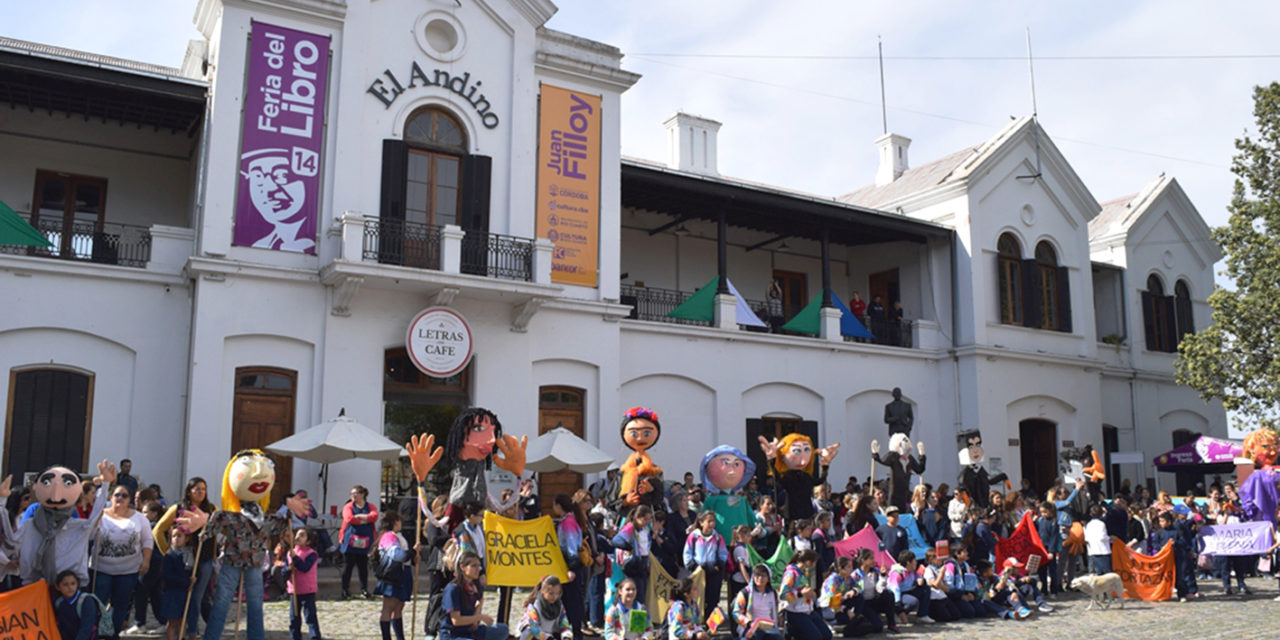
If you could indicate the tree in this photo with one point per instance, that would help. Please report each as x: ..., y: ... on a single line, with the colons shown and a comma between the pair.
x: 1235, y: 359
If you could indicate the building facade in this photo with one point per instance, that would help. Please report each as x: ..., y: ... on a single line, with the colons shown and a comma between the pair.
x: 234, y: 289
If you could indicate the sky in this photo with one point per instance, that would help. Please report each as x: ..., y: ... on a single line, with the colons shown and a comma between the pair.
x: 1127, y: 90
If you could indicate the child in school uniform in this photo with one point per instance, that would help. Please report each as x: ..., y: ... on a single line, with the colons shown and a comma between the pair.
x: 873, y: 600
x: 755, y: 608
x: 76, y: 616
x: 617, y: 619
x: 175, y: 577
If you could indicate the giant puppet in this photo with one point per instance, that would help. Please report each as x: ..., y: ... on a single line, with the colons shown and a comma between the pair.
x: 469, y: 449
x: 792, y: 461
x: 901, y: 465
x: 641, y: 479
x: 244, y: 528
x: 53, y: 540
x: 1258, y: 493
x: 725, y: 471
x: 973, y: 475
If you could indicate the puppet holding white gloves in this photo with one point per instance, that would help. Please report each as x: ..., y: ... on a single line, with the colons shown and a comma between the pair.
x: 901, y: 465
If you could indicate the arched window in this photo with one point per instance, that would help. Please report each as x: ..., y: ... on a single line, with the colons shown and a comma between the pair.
x: 1010, y: 278
x: 1158, y: 321
x: 1047, y: 269
x: 433, y: 173
x: 1182, y: 309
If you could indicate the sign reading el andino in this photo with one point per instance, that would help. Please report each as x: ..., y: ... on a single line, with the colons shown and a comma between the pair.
x: 439, y: 342
x: 569, y: 183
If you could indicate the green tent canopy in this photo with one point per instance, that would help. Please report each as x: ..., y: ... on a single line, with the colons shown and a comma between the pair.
x: 808, y: 320
x: 701, y: 306
x: 16, y: 231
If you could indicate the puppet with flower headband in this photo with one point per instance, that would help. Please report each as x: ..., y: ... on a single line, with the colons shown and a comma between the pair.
x: 641, y: 479
x: 791, y: 459
x: 474, y: 437
x: 1258, y: 493
x: 725, y: 471
x: 244, y: 527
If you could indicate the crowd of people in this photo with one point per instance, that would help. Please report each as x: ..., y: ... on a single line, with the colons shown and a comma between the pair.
x: 143, y: 568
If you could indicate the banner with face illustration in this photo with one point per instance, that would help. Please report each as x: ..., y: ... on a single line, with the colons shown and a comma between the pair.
x: 282, y: 135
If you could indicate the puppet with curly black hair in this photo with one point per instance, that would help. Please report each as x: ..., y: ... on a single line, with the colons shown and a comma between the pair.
x: 469, y: 449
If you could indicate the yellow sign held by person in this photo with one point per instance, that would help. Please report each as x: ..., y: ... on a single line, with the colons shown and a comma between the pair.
x: 658, y: 600
x: 519, y: 553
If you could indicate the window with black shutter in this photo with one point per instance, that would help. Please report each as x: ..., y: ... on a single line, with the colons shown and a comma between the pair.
x: 1047, y: 287
x: 1182, y: 309
x: 1158, y: 321
x: 429, y: 181
x: 1009, y: 278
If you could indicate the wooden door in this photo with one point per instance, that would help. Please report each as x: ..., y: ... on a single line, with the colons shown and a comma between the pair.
x: 559, y: 407
x: 794, y: 292
x: 264, y: 413
x: 885, y: 285
x: 1038, y: 440
x: 48, y: 421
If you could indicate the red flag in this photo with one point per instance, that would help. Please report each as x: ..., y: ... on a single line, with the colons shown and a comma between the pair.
x: 1021, y: 544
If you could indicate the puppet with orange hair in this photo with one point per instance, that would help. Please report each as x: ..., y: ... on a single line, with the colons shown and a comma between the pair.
x: 1258, y: 493
x: 792, y: 462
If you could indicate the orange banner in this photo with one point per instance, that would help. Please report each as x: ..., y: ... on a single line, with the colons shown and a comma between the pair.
x: 27, y: 614
x: 1145, y: 577
x: 568, y: 200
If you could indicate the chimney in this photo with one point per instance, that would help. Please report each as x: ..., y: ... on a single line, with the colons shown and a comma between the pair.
x: 693, y: 143
x: 893, y: 157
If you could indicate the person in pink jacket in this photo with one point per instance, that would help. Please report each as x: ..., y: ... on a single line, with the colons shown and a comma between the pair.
x: 302, y: 584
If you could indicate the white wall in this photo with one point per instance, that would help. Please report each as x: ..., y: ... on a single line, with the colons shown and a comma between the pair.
x: 147, y: 172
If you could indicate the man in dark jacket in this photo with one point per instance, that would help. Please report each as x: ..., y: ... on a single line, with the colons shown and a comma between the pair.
x: 1117, y: 519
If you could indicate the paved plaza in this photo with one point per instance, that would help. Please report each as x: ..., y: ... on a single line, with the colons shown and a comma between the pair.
x: 1214, y: 616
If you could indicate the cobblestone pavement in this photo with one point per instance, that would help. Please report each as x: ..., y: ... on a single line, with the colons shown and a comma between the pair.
x: 1214, y: 616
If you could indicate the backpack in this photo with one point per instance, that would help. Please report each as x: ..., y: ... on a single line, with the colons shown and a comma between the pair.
x: 105, y: 628
x: 382, y: 566
x: 449, y: 559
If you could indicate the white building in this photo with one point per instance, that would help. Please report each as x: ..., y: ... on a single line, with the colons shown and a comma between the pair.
x: 153, y: 331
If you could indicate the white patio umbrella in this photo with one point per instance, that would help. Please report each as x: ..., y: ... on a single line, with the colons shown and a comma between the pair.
x: 559, y: 449
x: 334, y: 441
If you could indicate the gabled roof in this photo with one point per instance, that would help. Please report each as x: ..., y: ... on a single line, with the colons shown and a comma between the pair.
x: 971, y: 161
x: 912, y: 180
x: 1121, y: 216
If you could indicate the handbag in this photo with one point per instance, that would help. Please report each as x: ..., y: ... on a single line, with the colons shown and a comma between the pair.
x: 360, y: 542
x: 584, y: 556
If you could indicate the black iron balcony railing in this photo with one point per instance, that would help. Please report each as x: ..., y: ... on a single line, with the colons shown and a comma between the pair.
x: 124, y: 245
x: 653, y: 304
x: 497, y: 256
x: 398, y: 242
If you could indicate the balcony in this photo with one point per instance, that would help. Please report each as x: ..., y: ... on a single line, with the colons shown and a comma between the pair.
x: 408, y: 244
x: 111, y: 243
x: 497, y: 256
x: 652, y: 304
x: 448, y: 249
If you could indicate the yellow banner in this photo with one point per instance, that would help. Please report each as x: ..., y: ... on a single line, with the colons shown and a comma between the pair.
x: 568, y: 203
x: 658, y: 600
x: 27, y: 614
x: 518, y: 553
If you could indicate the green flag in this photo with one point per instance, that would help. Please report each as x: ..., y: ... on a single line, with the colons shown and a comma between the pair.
x: 699, y: 306
x: 16, y: 231
x: 776, y: 563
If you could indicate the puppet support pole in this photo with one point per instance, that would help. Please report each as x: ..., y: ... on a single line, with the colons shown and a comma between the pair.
x: 195, y: 566
x: 235, y: 630
x: 871, y: 484
x: 293, y: 596
x: 417, y: 564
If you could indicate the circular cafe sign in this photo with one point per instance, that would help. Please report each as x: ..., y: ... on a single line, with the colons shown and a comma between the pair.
x: 439, y: 342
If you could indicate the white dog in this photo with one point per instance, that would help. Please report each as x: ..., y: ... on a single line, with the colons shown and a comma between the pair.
x: 1100, y: 589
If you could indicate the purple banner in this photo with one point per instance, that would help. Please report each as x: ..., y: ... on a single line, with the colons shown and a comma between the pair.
x: 281, y: 139
x: 1244, y: 539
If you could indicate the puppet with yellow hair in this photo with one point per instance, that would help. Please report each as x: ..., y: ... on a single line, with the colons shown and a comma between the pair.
x: 1258, y: 493
x: 792, y: 462
x: 246, y: 527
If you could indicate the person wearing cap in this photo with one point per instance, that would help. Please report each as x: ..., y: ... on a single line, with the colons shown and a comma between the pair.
x: 1029, y: 593
x: 891, y: 535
